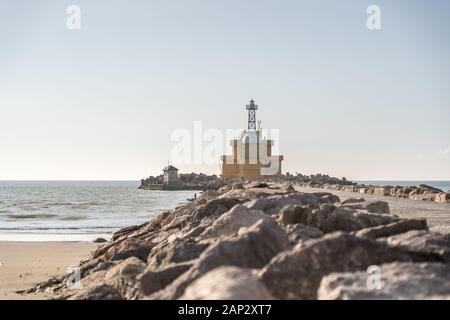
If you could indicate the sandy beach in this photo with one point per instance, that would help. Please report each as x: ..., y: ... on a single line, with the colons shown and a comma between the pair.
x: 24, y: 264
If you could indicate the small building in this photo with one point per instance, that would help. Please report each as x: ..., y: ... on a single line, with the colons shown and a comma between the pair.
x: 251, y: 153
x: 170, y: 176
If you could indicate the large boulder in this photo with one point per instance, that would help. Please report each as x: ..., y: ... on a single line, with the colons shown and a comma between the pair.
x: 97, y: 292
x: 442, y: 198
x: 227, y: 283
x: 214, y: 208
x: 393, y: 228
x: 179, y: 250
x: 117, y: 282
x: 293, y: 214
x: 349, y: 219
x: 404, y: 280
x: 130, y: 247
x: 370, y: 206
x: 252, y: 248
x: 296, y: 273
x: 154, y: 279
x: 229, y: 223
x: 299, y: 233
x: 423, y: 241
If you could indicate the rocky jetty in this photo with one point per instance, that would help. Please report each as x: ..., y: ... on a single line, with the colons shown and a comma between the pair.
x: 421, y: 192
x: 261, y: 241
x: 188, y: 181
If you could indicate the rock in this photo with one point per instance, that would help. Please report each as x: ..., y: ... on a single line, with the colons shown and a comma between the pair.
x: 237, y: 186
x: 263, y: 204
x: 353, y: 200
x: 442, y: 198
x: 382, y: 191
x: 252, y: 248
x: 100, y: 240
x: 129, y: 248
x: 126, y: 231
x: 398, y: 281
x: 126, y: 279
x: 292, y: 214
x: 97, y: 292
x: 372, y: 207
x: 425, y: 242
x: 296, y: 273
x: 175, y: 252
x: 393, y: 228
x: 229, y: 223
x: 154, y: 279
x: 227, y: 283
x: 288, y: 188
x: 256, y: 184
x: 348, y: 219
x: 425, y: 186
x: 214, y: 208
x: 298, y: 233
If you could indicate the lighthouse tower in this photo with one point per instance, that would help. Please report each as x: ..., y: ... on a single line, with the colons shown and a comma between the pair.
x: 251, y: 154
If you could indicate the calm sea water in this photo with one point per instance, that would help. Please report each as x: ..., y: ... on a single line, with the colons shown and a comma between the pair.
x: 80, y: 211
x: 441, y: 184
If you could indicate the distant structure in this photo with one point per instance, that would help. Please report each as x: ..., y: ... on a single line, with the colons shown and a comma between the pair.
x: 171, y: 180
x: 251, y: 154
x: 170, y: 176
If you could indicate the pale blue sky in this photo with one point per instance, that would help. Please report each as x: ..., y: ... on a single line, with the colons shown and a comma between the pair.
x: 102, y: 102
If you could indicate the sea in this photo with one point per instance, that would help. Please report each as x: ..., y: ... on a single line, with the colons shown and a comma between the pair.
x: 78, y: 210
x: 86, y: 210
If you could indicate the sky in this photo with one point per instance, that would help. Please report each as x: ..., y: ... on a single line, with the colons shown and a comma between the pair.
x: 102, y: 102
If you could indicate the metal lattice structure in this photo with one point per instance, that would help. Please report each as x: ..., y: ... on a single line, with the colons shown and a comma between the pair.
x: 252, y: 107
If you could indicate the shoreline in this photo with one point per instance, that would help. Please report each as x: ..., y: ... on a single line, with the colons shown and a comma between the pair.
x: 26, y: 263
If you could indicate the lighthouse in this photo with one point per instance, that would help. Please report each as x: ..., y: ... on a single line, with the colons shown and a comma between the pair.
x: 251, y: 153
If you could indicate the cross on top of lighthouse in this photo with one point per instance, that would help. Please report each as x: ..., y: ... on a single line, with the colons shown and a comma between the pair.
x: 252, y: 107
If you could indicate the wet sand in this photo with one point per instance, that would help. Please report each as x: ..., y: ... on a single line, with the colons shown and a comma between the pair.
x: 24, y: 264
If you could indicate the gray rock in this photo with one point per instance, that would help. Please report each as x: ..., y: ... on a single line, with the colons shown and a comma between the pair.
x: 97, y: 292
x: 256, y: 184
x: 425, y: 242
x: 370, y: 206
x: 227, y: 283
x: 130, y: 247
x: 292, y: 214
x: 298, y: 233
x: 154, y: 279
x: 405, y: 280
x: 353, y: 200
x: 262, y: 204
x: 252, y: 248
x: 214, y: 208
x: 229, y: 223
x: 296, y: 273
x: 348, y: 219
x: 175, y: 252
x: 393, y: 228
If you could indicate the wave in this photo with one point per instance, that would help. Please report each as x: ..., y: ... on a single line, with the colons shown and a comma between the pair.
x: 31, y: 216
x: 60, y: 228
x: 73, y: 218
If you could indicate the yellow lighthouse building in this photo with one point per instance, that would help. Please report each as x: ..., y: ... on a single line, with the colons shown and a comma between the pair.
x: 251, y: 153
